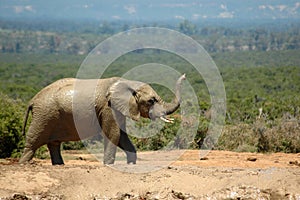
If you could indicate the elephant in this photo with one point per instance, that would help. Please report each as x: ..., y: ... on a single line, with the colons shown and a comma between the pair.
x: 114, y: 99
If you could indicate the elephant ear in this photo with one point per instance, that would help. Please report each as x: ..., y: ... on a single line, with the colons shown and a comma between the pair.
x: 123, y: 96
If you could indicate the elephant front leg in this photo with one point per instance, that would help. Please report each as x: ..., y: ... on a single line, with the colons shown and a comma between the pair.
x: 111, y: 139
x: 54, y: 148
x: 110, y: 149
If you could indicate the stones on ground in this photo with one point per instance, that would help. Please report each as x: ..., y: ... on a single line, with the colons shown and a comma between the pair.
x: 251, y: 159
x: 204, y: 158
x: 44, y: 196
x: 295, y: 163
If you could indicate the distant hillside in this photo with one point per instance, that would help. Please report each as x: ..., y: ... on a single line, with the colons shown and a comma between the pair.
x: 68, y: 37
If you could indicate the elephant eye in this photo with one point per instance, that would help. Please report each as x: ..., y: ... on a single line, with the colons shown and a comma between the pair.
x: 152, y: 101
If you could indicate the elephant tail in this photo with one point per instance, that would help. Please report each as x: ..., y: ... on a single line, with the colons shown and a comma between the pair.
x: 29, y: 108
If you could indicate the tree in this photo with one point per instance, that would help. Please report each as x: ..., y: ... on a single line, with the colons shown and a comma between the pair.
x: 52, y: 44
x: 187, y: 27
x: 11, y: 140
x: 18, y: 47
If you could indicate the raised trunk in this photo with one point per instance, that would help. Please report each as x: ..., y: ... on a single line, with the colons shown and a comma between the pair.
x: 174, y: 105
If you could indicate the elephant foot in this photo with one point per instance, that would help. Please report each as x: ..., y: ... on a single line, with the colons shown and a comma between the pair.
x: 57, y: 162
x: 109, y: 154
x: 131, y: 157
x: 110, y: 161
x: 27, y: 155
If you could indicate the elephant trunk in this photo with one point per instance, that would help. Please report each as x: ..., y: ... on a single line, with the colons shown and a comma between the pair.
x: 174, y: 105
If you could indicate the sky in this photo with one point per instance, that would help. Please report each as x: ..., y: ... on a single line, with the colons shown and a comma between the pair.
x: 151, y: 10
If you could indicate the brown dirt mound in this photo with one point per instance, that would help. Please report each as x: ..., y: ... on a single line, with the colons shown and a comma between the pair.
x: 213, y: 175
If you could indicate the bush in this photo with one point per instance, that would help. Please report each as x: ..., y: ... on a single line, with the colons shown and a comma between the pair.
x: 284, y: 137
x: 163, y: 138
x: 11, y: 138
x: 71, y: 145
x: 263, y: 135
x: 237, y: 138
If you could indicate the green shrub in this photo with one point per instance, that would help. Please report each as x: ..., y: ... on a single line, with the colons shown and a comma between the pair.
x: 42, y: 153
x: 77, y: 145
x: 167, y: 137
x: 11, y: 138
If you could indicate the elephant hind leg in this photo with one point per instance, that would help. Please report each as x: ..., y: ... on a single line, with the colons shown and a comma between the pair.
x: 56, y: 158
x: 27, y: 155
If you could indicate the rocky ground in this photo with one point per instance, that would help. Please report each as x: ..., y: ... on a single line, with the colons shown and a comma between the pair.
x: 213, y: 175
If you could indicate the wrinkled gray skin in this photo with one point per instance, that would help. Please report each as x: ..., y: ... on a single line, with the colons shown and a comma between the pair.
x: 115, y: 99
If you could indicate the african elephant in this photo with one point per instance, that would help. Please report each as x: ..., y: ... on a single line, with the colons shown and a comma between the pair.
x: 114, y: 99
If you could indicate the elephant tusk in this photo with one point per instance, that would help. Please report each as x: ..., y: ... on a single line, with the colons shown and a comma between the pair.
x: 168, y: 120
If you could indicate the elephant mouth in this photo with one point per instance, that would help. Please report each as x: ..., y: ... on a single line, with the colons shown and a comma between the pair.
x: 167, y: 119
x: 164, y: 118
x: 157, y: 111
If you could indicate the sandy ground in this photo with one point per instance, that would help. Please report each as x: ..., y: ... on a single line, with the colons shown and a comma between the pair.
x: 217, y: 175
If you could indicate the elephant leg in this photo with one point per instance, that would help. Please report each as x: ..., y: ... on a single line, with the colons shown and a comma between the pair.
x: 27, y: 155
x: 33, y: 142
x: 126, y: 145
x: 54, y: 148
x: 110, y: 150
x: 111, y: 139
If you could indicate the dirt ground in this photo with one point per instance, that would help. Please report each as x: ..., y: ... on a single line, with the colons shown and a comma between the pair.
x: 213, y: 175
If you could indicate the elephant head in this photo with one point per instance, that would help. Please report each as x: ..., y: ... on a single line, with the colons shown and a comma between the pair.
x: 136, y: 99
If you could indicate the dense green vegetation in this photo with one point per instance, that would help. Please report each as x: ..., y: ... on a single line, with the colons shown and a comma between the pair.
x: 11, y: 115
x: 262, y: 84
x: 81, y: 37
x: 274, y: 87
